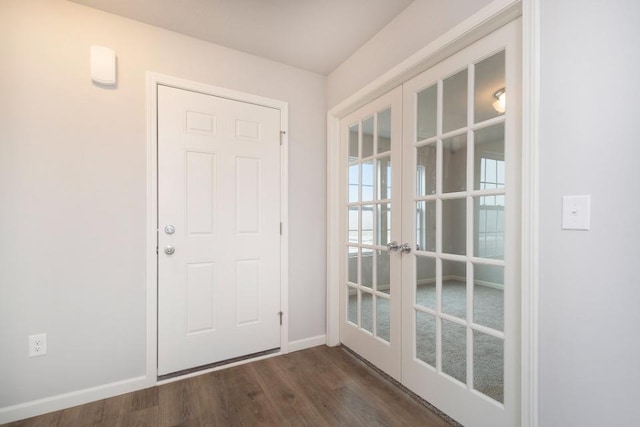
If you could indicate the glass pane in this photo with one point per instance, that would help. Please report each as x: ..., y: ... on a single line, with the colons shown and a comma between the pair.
x: 353, y: 224
x: 488, y: 365
x: 427, y: 113
x: 489, y: 158
x: 488, y: 214
x: 488, y: 296
x: 367, y: 269
x: 489, y: 80
x: 367, y: 225
x: 352, y: 265
x: 426, y: 282
x: 426, y: 226
x: 352, y: 305
x: 454, y: 164
x: 426, y: 338
x: 353, y: 143
x: 366, y: 311
x: 426, y: 170
x: 383, y: 275
x: 367, y: 180
x: 454, y: 102
x: 367, y: 137
x: 384, y: 178
x: 454, y: 350
x: 383, y: 235
x: 454, y: 288
x: 354, y: 180
x: 454, y: 226
x: 383, y: 318
x: 384, y: 131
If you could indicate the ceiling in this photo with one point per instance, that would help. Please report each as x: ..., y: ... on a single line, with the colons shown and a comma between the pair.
x: 315, y: 35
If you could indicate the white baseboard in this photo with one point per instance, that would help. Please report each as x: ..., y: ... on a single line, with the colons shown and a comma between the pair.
x: 307, y: 343
x: 489, y: 284
x: 67, y: 400
x: 462, y: 279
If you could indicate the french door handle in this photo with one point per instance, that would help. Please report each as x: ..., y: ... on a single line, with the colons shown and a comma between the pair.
x: 393, y: 246
x: 405, y: 248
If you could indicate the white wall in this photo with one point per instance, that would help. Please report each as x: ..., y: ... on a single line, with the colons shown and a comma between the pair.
x: 73, y: 189
x: 590, y: 286
x: 414, y: 28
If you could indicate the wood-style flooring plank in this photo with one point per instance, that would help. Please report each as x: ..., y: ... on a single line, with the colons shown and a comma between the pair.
x: 320, y: 386
x: 387, y: 396
x: 292, y: 407
x: 178, y: 402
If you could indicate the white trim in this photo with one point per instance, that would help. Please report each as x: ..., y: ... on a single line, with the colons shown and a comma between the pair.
x: 153, y: 80
x: 333, y: 229
x: 531, y: 210
x: 152, y: 232
x: 66, y: 400
x: 488, y: 19
x: 306, y: 343
x: 484, y: 283
x: 491, y: 285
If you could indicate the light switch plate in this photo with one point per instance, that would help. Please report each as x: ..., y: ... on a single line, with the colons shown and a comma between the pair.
x: 576, y: 212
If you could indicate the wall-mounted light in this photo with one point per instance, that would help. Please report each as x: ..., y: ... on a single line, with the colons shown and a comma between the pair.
x: 103, y: 65
x: 500, y: 103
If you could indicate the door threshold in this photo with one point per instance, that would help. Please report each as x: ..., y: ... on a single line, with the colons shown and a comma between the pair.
x: 396, y: 383
x: 185, y: 373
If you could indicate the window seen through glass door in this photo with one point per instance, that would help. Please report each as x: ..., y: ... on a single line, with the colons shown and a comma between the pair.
x: 460, y: 197
x: 369, y: 171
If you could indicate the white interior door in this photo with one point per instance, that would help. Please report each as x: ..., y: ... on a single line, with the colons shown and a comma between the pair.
x: 461, y: 210
x: 370, y: 287
x: 219, y: 229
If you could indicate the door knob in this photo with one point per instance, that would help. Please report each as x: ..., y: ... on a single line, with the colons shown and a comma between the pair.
x: 405, y: 248
x: 169, y: 229
x: 393, y: 246
x: 169, y: 250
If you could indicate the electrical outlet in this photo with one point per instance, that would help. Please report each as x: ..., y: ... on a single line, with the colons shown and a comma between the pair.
x: 37, y: 345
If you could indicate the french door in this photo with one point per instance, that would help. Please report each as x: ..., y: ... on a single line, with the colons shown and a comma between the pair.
x: 461, y: 210
x: 370, y: 294
x: 458, y: 243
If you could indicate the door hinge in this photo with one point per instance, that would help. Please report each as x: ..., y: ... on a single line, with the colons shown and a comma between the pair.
x: 282, y: 134
x: 156, y: 250
x: 281, y: 229
x: 280, y: 314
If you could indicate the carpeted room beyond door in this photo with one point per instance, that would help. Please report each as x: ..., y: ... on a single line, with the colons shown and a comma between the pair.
x: 488, y: 357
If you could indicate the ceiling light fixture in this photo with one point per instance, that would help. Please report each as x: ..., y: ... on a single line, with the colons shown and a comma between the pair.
x: 500, y: 103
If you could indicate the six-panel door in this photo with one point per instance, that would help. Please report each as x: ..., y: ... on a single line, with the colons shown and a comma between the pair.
x: 219, y: 229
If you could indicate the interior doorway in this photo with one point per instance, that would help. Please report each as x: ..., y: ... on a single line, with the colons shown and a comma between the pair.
x: 458, y: 195
x: 220, y: 221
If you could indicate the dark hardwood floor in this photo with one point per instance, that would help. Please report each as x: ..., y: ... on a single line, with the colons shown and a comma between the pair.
x: 320, y: 386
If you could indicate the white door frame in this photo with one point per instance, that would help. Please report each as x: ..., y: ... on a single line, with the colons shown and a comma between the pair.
x: 488, y: 19
x: 153, y: 80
